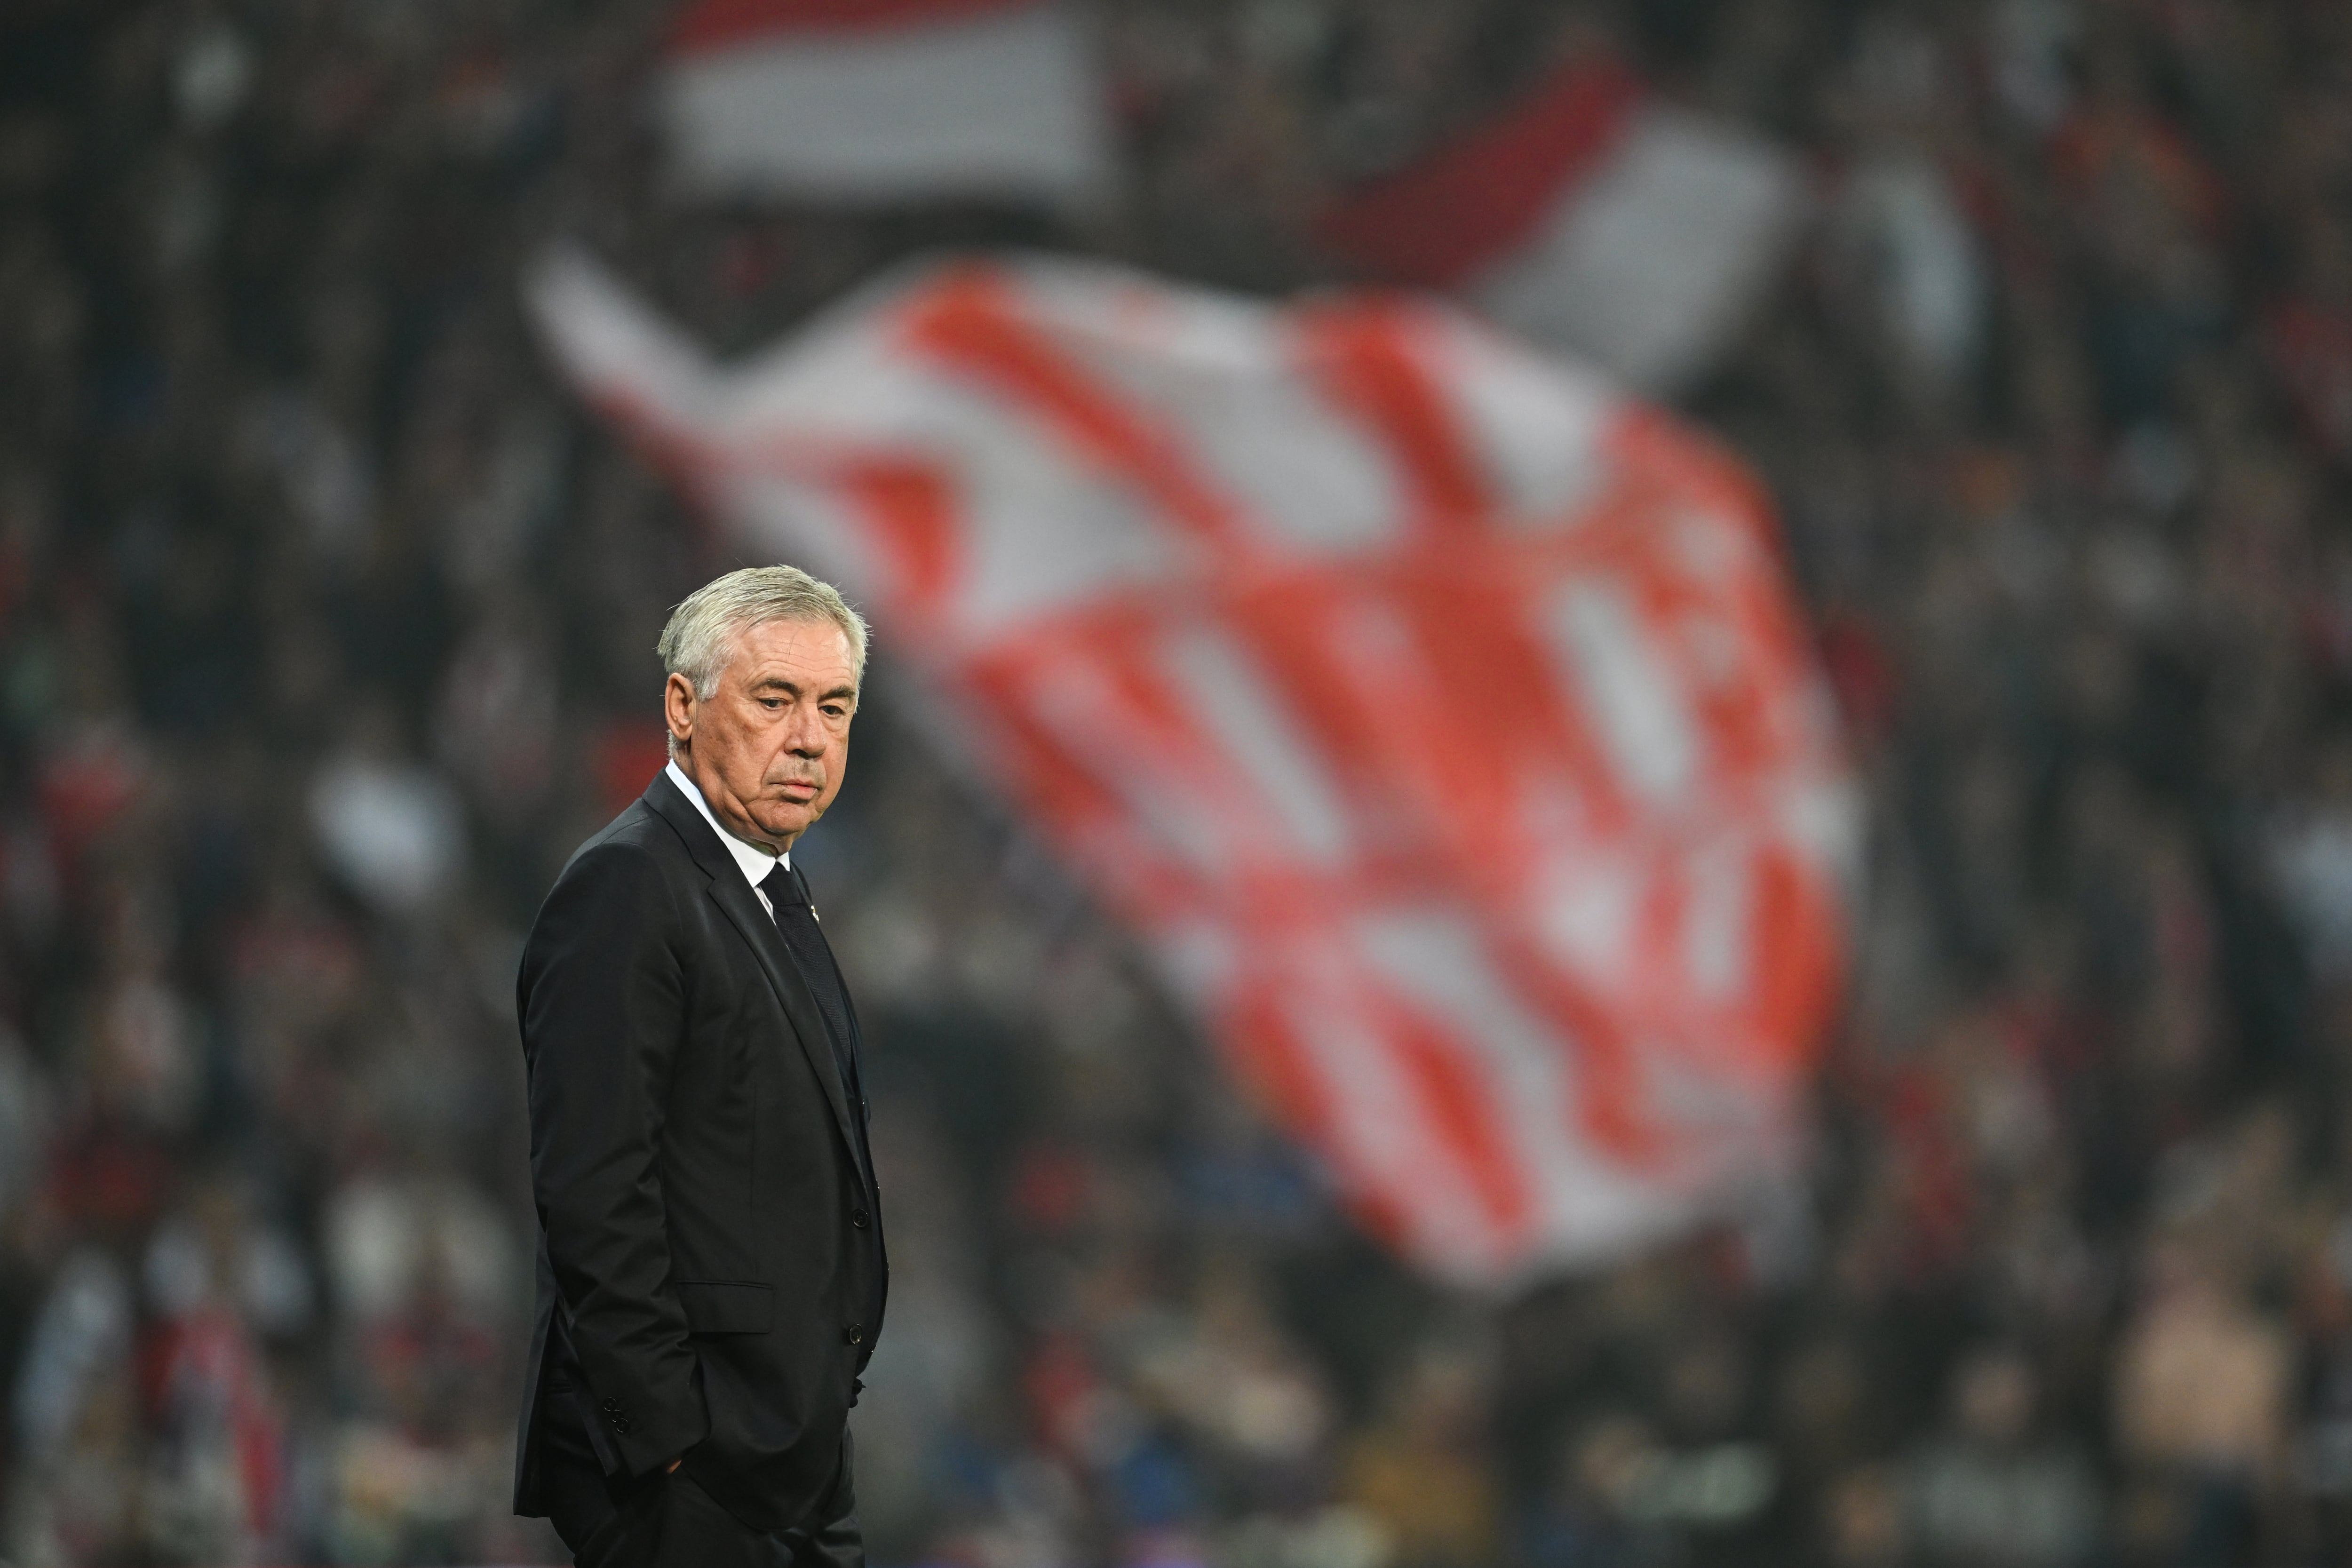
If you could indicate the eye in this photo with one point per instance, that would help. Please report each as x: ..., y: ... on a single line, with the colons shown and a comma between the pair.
x: 771, y: 703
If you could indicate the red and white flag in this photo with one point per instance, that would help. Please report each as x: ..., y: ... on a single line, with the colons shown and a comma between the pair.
x: 1593, y: 218
x: 1440, y: 719
x: 885, y: 100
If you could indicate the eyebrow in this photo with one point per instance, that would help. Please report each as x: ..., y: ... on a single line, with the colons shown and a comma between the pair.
x: 778, y: 683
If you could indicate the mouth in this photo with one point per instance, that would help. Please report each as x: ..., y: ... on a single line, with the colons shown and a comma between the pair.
x: 801, y: 789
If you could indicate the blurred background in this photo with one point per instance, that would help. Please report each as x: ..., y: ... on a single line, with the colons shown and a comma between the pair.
x: 326, y: 619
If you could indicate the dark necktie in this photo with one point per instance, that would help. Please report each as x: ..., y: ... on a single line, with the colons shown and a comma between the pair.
x: 796, y: 920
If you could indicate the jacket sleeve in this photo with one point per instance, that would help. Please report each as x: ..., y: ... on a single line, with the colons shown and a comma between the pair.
x: 602, y: 1002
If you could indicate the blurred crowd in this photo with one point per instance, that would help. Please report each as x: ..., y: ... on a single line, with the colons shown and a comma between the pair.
x: 326, y: 624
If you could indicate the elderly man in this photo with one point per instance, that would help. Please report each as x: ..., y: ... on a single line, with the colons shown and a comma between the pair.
x: 710, y: 1265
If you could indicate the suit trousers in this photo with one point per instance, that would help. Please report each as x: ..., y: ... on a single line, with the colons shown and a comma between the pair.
x: 666, y: 1519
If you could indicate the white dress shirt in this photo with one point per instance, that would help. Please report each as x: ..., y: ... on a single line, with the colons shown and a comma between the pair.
x: 755, y: 859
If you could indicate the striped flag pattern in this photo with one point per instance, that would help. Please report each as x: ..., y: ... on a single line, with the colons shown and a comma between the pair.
x: 1595, y: 216
x: 1439, y: 718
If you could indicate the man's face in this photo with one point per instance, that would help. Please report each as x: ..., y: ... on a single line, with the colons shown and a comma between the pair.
x: 769, y: 746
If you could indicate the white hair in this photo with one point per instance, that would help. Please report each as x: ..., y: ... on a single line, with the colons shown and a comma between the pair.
x: 700, y: 637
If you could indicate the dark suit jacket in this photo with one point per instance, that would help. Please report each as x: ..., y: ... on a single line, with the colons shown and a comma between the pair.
x: 711, y: 1275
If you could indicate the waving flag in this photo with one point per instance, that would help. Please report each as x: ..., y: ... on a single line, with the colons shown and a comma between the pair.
x: 1440, y: 718
x: 1594, y: 217
x: 883, y: 100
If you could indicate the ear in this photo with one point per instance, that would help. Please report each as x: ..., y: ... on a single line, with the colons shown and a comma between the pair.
x: 678, y: 709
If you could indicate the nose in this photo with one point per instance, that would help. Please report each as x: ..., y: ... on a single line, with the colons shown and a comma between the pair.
x: 804, y: 736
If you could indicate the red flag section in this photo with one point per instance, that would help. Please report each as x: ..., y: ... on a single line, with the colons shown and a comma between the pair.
x: 1591, y: 215
x: 1443, y: 221
x: 725, y: 24
x: 1439, y: 718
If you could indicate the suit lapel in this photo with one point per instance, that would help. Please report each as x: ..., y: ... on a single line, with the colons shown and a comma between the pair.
x: 736, y: 901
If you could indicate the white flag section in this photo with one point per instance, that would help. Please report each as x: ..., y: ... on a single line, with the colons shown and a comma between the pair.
x: 1439, y: 718
x: 882, y: 101
x: 1593, y: 218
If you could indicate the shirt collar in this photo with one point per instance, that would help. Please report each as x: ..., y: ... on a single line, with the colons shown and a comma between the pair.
x: 755, y: 861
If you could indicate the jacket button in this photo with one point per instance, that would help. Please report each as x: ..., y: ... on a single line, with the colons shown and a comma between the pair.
x: 854, y: 1333
x: 610, y: 1407
x: 860, y: 1219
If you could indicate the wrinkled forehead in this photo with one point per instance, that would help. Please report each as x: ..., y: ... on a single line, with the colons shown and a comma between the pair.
x: 812, y: 653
